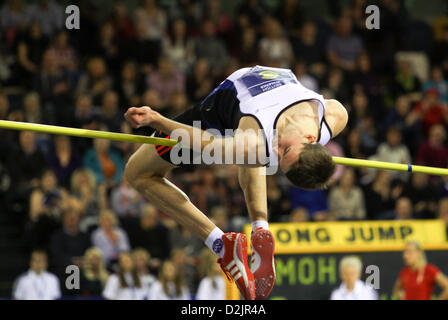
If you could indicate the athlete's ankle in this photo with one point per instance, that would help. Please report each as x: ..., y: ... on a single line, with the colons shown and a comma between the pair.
x: 260, y: 224
x: 214, y: 242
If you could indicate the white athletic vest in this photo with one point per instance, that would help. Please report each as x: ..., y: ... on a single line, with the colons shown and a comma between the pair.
x: 265, y: 92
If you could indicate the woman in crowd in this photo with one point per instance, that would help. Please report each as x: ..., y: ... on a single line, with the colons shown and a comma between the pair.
x: 94, y: 274
x: 92, y: 196
x: 418, y: 278
x: 126, y: 284
x: 347, y: 200
x: 212, y: 285
x: 109, y: 238
x: 178, y: 47
x: 63, y: 159
x: 170, y: 284
x: 105, y: 162
x: 142, y: 260
x: 47, y: 198
x: 352, y: 288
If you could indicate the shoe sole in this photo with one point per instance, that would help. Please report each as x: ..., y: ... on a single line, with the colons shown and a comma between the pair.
x: 264, y: 243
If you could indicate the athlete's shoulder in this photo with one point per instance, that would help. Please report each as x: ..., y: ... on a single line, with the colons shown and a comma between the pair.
x: 336, y: 116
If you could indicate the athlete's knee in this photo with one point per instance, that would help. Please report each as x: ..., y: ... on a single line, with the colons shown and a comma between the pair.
x: 133, y: 173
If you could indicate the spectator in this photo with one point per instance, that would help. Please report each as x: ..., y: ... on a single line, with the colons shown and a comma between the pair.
x: 108, y: 47
x: 220, y: 218
x: 203, y: 191
x: 84, y: 115
x: 212, y: 285
x: 290, y: 14
x: 37, y: 283
x: 147, y: 232
x: 109, y: 238
x: 166, y: 80
x: 182, y: 238
x: 13, y: 16
x: 403, y: 209
x: 68, y: 244
x: 154, y: 19
x: 253, y: 10
x: 278, y: 202
x: 32, y: 109
x: 430, y: 111
x: 47, y: 198
x: 394, y: 151
x: 111, y: 115
x: 124, y: 26
x: 91, y: 196
x: 30, y: 51
x: 438, y: 83
x: 48, y: 14
x: 221, y: 20
x: 343, y: 47
x: 209, y: 47
x: 314, y: 201
x: 125, y: 200
x: 352, y: 288
x: 145, y: 52
x: 63, y: 160
x: 336, y: 151
x: 275, y: 49
x: 366, y: 79
x: 170, y: 284
x: 178, y: 47
x: 130, y: 85
x: 152, y: 98
x: 46, y: 203
x: 434, y: 153
x: 105, y: 163
x: 347, y: 200
x: 126, y: 284
x: 380, y: 196
x: 307, y: 48
x: 142, y: 261
x: 199, y: 84
x: 178, y: 104
x: 418, y: 278
x: 54, y: 85
x: 423, y: 196
x: 65, y: 55
x: 93, y: 274
x: 354, y: 148
x: 299, y: 215
x: 406, y: 82
x: 405, y: 120
x: 247, y: 51
x: 96, y: 81
x: 307, y: 80
x: 335, y: 86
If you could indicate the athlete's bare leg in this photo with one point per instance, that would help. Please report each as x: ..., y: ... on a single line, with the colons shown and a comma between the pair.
x: 146, y: 171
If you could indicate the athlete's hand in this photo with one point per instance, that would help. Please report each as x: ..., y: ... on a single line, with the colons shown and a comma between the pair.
x: 140, y: 117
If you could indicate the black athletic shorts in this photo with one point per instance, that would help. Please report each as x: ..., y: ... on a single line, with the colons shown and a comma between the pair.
x: 220, y: 110
x: 187, y: 117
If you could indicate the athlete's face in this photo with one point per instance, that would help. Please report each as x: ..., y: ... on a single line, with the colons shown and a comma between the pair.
x: 288, y: 147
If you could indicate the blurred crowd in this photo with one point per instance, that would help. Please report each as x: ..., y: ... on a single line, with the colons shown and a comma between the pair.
x: 68, y: 194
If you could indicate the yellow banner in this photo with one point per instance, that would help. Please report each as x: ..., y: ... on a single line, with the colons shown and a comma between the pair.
x: 355, y: 236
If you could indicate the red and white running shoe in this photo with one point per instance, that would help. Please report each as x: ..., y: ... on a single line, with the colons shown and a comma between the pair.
x: 262, y: 262
x: 234, y: 263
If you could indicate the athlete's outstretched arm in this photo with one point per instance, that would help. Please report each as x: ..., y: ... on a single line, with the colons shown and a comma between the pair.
x: 253, y: 184
x: 241, y: 149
